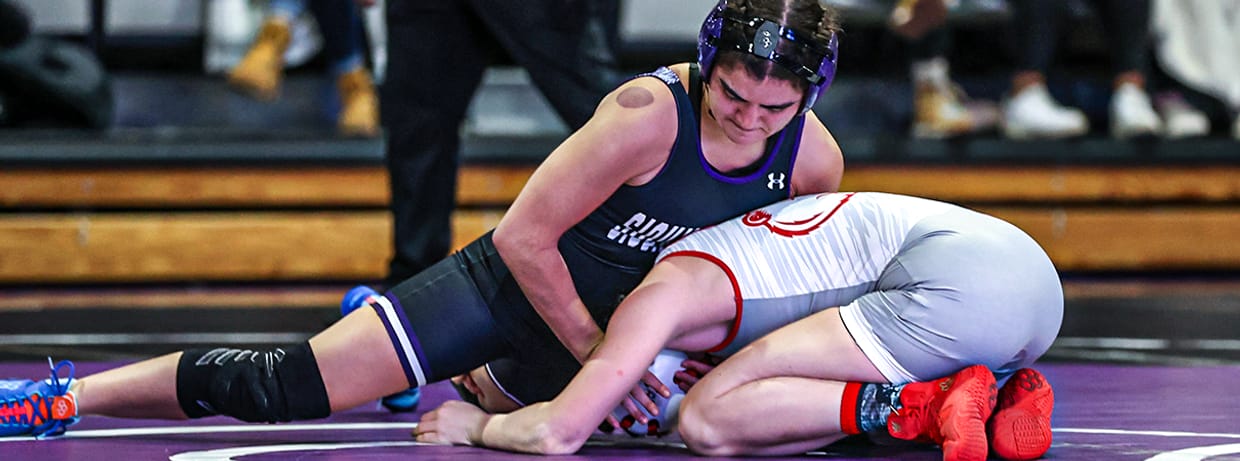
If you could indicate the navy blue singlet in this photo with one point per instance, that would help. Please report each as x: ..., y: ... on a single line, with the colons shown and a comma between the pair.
x: 612, y: 248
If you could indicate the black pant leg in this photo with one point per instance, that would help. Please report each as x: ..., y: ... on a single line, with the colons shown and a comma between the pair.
x: 936, y: 43
x: 340, y: 24
x: 437, y: 54
x: 1037, y: 25
x: 1128, y: 25
x: 562, y: 44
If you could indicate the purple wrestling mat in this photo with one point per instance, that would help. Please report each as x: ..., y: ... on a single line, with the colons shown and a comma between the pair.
x: 1102, y: 412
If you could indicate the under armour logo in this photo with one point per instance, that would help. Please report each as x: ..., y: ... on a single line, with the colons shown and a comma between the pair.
x: 766, y: 40
x: 775, y: 182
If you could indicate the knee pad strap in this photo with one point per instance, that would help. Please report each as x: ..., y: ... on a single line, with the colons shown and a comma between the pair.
x: 279, y: 385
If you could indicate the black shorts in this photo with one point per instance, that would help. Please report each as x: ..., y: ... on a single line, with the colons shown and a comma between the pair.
x: 467, y: 310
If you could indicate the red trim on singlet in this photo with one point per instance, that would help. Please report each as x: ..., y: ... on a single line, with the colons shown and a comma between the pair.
x: 793, y: 228
x: 736, y: 291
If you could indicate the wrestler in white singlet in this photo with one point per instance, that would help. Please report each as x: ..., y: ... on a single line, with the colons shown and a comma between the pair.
x: 922, y: 286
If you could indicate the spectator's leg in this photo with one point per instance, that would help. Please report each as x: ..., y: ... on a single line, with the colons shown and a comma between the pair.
x: 1030, y: 111
x: 1128, y: 25
x: 260, y: 73
x: 1037, y: 24
x: 425, y: 95
x: 563, y: 45
x: 341, y: 25
x: 937, y: 108
x: 344, y: 48
x: 1132, y: 112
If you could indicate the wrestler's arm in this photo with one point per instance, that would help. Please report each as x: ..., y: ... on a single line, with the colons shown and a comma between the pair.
x: 626, y: 141
x: 685, y: 303
x: 820, y: 163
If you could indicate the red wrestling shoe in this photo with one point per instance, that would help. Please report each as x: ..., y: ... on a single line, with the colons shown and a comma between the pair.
x: 951, y: 412
x: 1021, y: 426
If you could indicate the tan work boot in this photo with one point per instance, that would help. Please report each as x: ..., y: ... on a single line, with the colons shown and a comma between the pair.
x: 359, y: 105
x: 944, y: 112
x: 260, y: 71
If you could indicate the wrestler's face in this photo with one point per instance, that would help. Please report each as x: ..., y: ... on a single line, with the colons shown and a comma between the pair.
x: 488, y: 394
x: 747, y: 109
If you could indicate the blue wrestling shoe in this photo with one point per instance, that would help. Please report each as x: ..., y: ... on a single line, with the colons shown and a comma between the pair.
x: 38, y: 408
x: 404, y: 401
x: 356, y: 297
x: 400, y: 402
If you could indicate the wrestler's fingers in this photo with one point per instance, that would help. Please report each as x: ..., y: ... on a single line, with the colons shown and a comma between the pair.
x: 634, y: 407
x: 656, y: 384
x: 684, y: 380
x: 698, y: 367
x: 609, y: 425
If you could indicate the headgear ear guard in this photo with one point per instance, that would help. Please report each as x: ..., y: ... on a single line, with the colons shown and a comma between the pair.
x: 764, y: 38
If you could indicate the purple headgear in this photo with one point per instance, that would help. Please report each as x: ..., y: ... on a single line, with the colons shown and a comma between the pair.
x: 765, y: 38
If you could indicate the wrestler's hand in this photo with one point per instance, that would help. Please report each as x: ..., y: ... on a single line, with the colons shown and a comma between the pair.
x: 693, y: 371
x: 455, y: 423
x: 639, y: 397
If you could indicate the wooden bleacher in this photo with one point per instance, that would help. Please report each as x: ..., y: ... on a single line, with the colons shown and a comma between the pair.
x: 101, y: 222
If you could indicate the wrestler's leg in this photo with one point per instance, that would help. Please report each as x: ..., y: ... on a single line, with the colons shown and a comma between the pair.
x: 148, y: 389
x: 354, y: 378
x: 769, y: 381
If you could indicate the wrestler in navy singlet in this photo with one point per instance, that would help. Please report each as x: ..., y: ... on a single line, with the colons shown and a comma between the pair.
x: 608, y: 253
x: 924, y: 287
x: 627, y: 231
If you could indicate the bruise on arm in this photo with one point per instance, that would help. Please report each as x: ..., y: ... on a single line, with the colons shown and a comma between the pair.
x: 634, y: 97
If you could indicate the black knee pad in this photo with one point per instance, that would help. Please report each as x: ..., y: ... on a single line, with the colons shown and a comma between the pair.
x: 279, y: 385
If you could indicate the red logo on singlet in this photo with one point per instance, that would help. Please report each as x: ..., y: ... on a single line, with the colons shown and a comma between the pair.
x: 799, y: 218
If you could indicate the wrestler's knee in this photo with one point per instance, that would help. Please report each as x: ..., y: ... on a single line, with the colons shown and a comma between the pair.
x: 279, y: 385
x: 701, y: 430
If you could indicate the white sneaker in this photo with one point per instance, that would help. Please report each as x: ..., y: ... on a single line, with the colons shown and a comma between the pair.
x: 1132, y: 114
x: 1032, y: 113
x: 1180, y: 120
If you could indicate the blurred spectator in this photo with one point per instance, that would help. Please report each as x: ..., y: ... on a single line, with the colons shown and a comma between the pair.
x: 437, y: 54
x: 1197, y: 42
x: 1181, y: 119
x: 1031, y: 112
x: 14, y: 24
x: 260, y: 72
x: 940, y: 107
x: 46, y: 82
x: 14, y: 28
